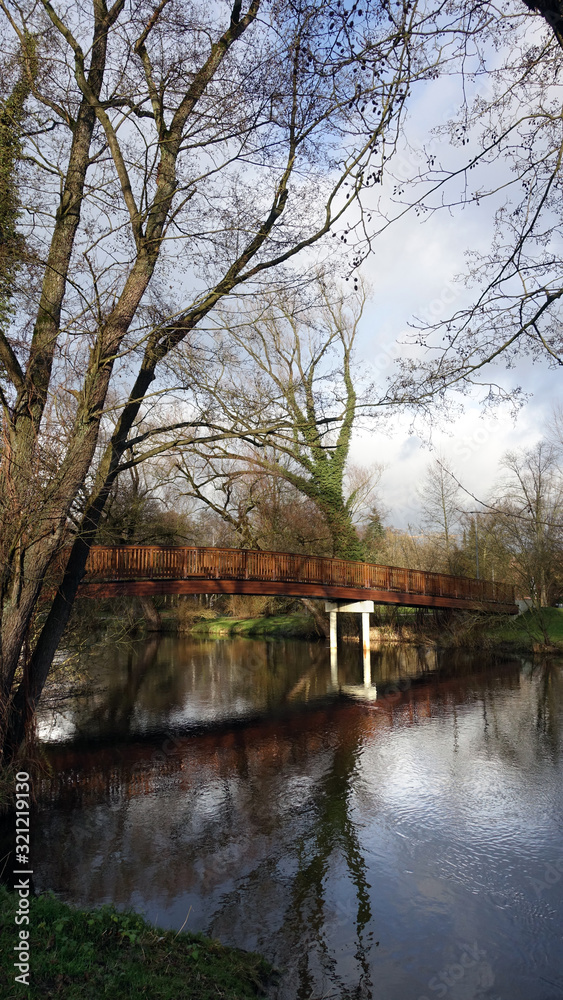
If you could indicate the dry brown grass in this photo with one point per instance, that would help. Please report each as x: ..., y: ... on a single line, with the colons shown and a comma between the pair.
x: 249, y: 606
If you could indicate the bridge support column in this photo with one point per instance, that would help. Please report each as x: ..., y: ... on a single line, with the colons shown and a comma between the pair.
x: 333, y: 634
x: 364, y: 608
x: 367, y: 668
x: 365, y: 631
x: 333, y: 650
x: 366, y: 648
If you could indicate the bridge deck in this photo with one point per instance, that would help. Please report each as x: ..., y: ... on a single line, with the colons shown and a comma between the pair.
x: 143, y: 570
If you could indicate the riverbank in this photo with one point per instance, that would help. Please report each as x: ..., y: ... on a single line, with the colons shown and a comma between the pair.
x: 274, y: 626
x: 88, y: 954
x: 540, y: 630
x: 533, y: 631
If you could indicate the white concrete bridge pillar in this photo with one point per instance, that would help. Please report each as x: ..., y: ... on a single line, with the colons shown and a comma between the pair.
x: 364, y: 608
x: 333, y: 650
x: 334, y: 667
x: 333, y: 634
x: 365, y: 631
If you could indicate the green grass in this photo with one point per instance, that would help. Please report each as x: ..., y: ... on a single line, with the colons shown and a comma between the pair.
x: 527, y: 628
x: 275, y: 625
x: 103, y: 954
x: 523, y: 631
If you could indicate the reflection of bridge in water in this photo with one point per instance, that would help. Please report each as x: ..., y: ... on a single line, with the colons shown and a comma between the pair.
x: 346, y: 586
x: 151, y: 570
x: 414, y: 684
x: 298, y: 833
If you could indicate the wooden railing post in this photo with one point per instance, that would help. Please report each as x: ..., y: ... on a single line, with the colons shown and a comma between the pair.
x: 146, y: 562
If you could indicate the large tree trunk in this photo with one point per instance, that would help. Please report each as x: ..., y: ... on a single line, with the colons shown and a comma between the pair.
x: 314, y: 609
x: 150, y: 613
x: 21, y: 707
x: 345, y: 541
x: 34, y: 517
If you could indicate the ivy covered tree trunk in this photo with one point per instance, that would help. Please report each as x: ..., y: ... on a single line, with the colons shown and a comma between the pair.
x: 346, y: 543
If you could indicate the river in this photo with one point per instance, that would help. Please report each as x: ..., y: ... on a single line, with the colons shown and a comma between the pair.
x: 401, y: 842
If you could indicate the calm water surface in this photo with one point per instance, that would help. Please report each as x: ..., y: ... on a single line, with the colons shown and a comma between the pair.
x: 408, y: 845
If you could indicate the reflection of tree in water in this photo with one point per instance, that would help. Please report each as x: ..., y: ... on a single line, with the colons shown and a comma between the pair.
x: 549, y: 701
x: 166, y: 678
x: 315, y: 832
x: 333, y: 831
x: 160, y: 677
x: 392, y: 663
x: 508, y: 734
x: 257, y: 830
x: 116, y: 710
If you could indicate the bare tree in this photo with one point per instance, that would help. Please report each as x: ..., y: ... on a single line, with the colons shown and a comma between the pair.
x: 529, y: 508
x: 290, y: 381
x: 439, y: 498
x: 501, y: 150
x: 168, y: 154
x: 262, y: 511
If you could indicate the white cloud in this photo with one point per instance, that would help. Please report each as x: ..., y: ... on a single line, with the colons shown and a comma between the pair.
x: 412, y: 272
x: 473, y: 445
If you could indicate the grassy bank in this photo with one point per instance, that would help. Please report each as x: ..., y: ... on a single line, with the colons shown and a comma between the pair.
x: 534, y: 628
x: 524, y: 632
x: 89, y: 954
x: 535, y: 631
x: 276, y: 626
x: 539, y: 630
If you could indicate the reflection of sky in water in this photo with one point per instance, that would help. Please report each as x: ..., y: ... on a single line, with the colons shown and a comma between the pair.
x: 384, y: 852
x: 55, y: 727
x: 201, y: 709
x: 181, y: 683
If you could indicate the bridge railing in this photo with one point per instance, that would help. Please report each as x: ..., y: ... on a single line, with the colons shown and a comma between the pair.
x: 166, y: 562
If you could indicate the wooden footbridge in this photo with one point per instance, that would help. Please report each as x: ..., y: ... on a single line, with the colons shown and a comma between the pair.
x: 150, y: 570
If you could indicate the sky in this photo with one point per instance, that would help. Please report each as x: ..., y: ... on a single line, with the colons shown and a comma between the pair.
x: 412, y: 271
x: 473, y: 441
